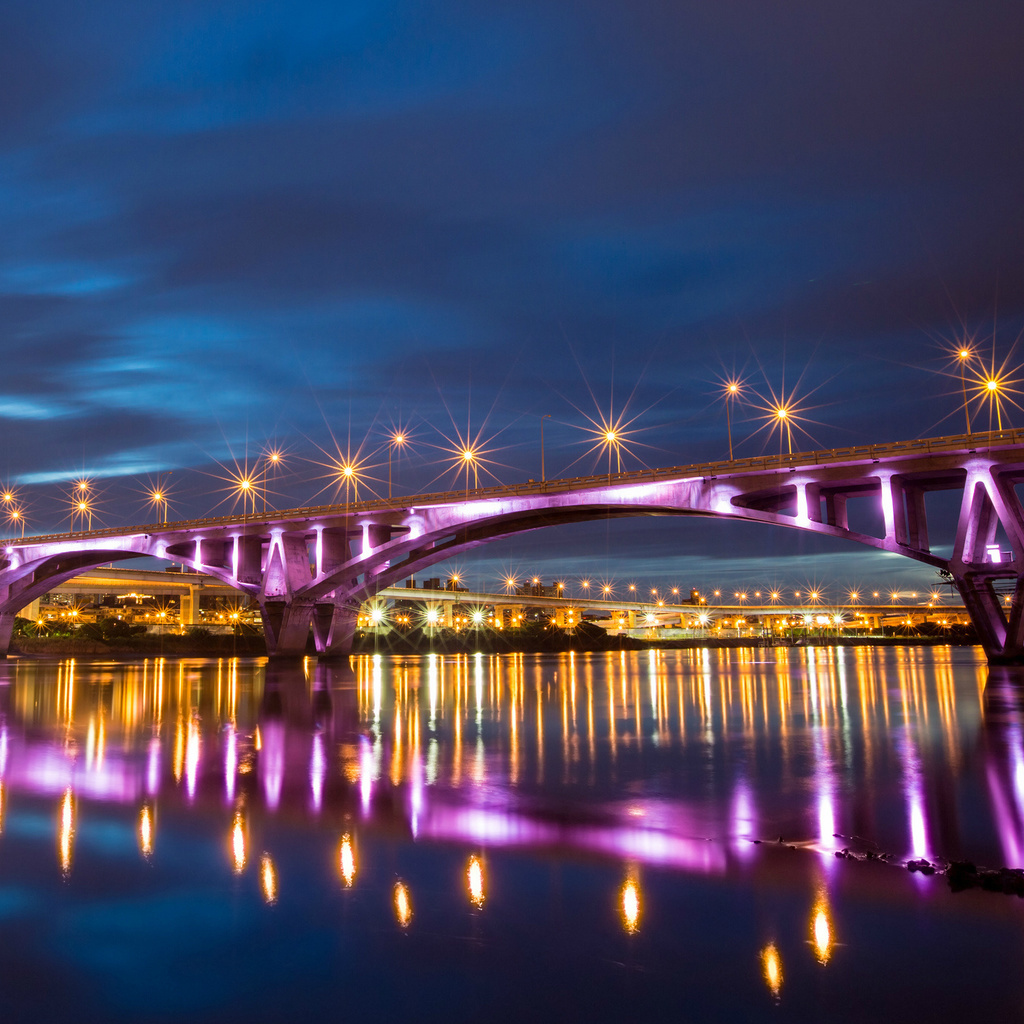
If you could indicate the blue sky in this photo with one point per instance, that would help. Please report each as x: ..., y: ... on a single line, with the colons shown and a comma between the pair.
x: 226, y: 225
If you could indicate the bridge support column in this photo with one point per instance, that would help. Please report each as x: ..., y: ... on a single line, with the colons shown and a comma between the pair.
x: 189, y: 607
x: 1001, y: 636
x: 286, y: 627
x: 30, y: 611
x: 6, y: 629
x: 334, y: 629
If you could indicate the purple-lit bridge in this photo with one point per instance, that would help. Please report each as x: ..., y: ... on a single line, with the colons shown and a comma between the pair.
x: 313, y: 567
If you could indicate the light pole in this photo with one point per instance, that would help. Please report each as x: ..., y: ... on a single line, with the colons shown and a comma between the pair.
x: 964, y: 355
x: 396, y: 440
x: 546, y: 416
x: 18, y: 517
x: 782, y: 417
x: 347, y: 472
x: 158, y: 497
x: 611, y: 441
x: 992, y: 385
x: 732, y: 389
x: 470, y: 460
x: 271, y: 458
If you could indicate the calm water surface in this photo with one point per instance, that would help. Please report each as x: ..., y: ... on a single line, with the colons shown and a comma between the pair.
x: 581, y: 837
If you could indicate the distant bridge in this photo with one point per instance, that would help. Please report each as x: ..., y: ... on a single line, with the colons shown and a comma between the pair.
x: 316, y: 566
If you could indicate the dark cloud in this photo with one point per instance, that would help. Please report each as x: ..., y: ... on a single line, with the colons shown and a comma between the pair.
x: 224, y: 223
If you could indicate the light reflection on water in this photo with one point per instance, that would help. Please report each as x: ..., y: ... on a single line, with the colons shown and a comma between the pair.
x: 639, y: 767
x: 645, y: 757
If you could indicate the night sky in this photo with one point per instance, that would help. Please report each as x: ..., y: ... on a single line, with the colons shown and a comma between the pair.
x: 226, y: 226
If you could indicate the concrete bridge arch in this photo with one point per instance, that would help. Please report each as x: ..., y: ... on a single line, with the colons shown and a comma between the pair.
x: 313, y: 567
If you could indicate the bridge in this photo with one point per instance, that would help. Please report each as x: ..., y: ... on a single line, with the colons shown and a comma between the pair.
x: 314, y: 567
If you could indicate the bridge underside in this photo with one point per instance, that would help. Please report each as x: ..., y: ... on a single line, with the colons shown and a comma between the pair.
x: 310, y: 570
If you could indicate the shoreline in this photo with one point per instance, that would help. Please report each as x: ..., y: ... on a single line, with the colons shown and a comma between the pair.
x: 443, y: 642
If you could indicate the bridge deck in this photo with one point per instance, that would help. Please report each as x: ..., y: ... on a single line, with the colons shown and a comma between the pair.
x: 764, y: 463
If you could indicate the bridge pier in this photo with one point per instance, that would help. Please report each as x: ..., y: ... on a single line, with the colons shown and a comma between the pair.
x: 1001, y: 635
x: 334, y: 629
x: 6, y: 631
x: 286, y: 627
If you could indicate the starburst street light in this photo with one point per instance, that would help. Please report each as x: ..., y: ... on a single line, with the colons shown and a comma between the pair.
x: 82, y: 509
x: 397, y: 439
x: 608, y: 434
x: 16, y: 517
x: 244, y: 487
x: 996, y: 385
x: 468, y: 452
x: 996, y: 388
x: 964, y: 355
x: 272, y: 461
x: 783, y: 413
x: 471, y: 460
x: 157, y: 497
x: 732, y: 389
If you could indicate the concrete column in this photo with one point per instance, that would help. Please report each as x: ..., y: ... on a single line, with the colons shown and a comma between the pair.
x: 189, y: 607
x: 835, y: 509
x: 30, y: 611
x: 286, y: 627
x: 893, y: 509
x: 983, y: 607
x: 808, y: 501
x: 917, y: 519
x: 6, y: 629
x: 334, y: 628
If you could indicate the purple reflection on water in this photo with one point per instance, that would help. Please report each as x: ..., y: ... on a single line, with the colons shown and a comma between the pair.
x: 743, y: 820
x: 1007, y: 817
x: 317, y: 771
x: 365, y: 774
x: 913, y: 791
x: 272, y: 753
x: 491, y: 827
x: 48, y: 770
x: 415, y: 794
x: 230, y: 761
x: 193, y: 748
x: 153, y: 767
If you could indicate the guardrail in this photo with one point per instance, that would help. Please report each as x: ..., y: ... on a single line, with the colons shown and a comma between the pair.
x: 761, y: 463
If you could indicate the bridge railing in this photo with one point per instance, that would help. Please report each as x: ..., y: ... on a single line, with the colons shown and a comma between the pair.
x: 700, y: 470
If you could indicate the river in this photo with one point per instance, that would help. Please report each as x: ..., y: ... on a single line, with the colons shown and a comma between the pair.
x: 641, y: 836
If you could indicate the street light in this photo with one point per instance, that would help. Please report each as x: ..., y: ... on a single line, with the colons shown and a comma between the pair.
x: 732, y: 390
x: 469, y: 459
x: 17, y: 517
x: 272, y: 458
x: 347, y: 472
x: 963, y: 356
x: 994, y: 391
x: 781, y: 413
x: 398, y: 439
x: 158, y: 498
